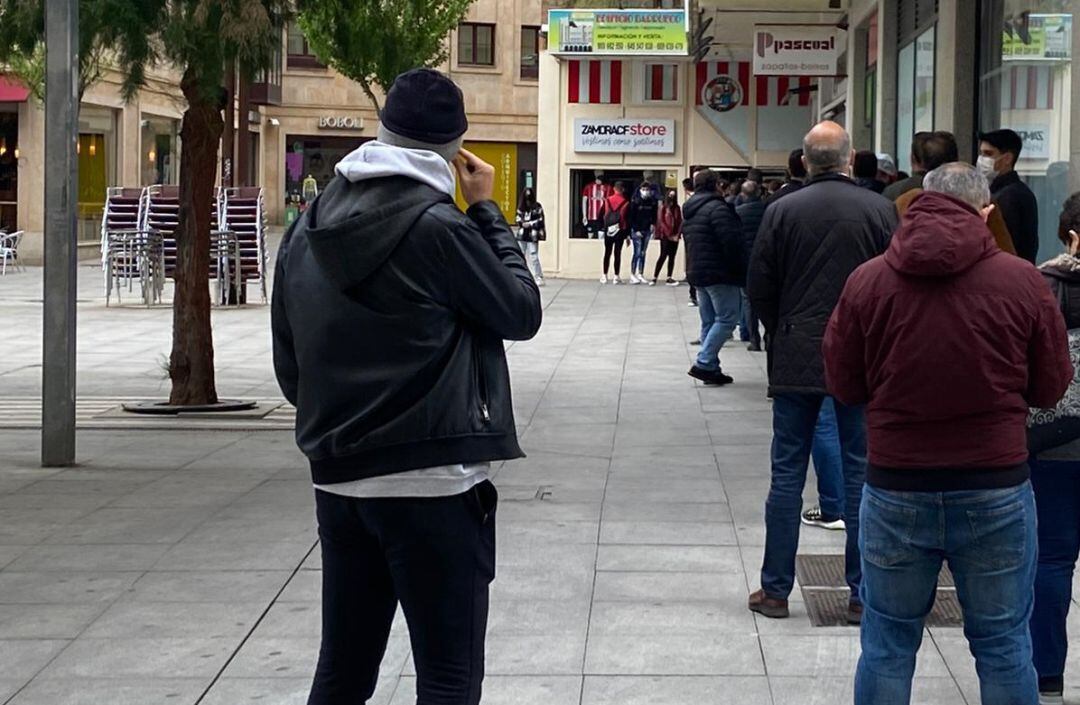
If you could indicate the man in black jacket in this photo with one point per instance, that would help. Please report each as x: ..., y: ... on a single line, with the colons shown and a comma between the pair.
x: 389, y: 313
x: 717, y: 253
x: 998, y: 153
x: 796, y: 176
x: 807, y: 245
x: 750, y: 212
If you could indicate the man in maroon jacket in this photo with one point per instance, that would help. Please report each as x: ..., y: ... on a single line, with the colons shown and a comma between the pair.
x: 948, y: 341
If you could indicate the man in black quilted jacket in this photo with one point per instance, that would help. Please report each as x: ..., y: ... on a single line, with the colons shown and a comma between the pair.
x: 807, y: 246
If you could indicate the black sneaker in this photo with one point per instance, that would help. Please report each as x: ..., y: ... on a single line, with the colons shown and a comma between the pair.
x: 696, y: 341
x: 710, y: 377
x: 1052, y: 690
x: 814, y: 517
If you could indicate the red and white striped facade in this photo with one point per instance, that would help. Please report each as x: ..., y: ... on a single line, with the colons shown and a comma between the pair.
x: 1027, y: 88
x: 595, y: 81
x: 767, y: 90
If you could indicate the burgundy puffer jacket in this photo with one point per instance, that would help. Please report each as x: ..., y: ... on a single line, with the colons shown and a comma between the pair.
x: 949, y: 340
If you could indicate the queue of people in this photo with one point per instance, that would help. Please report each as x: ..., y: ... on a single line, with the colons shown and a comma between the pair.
x: 931, y: 370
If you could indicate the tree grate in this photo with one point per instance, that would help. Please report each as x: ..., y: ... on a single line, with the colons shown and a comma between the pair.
x: 828, y: 571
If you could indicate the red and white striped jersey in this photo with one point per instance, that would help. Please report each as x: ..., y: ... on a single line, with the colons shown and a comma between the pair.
x: 594, y: 81
x: 661, y: 82
x: 595, y: 196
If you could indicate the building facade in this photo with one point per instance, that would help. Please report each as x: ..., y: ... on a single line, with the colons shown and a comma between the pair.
x: 903, y: 66
x: 322, y: 116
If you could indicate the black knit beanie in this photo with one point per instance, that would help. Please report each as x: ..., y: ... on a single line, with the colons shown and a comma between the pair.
x: 425, y: 106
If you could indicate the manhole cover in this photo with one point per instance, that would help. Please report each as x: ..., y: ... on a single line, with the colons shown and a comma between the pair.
x: 828, y: 571
x: 828, y: 608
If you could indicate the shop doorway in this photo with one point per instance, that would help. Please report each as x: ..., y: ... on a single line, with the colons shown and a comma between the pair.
x: 582, y: 179
x: 9, y: 166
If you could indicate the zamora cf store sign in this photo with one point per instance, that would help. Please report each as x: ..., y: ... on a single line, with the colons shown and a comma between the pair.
x: 642, y: 136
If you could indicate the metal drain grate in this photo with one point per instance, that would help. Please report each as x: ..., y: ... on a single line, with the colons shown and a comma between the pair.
x: 828, y: 608
x: 828, y: 571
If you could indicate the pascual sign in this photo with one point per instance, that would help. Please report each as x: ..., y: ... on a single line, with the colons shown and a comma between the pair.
x: 642, y: 136
x: 338, y: 122
x: 797, y: 50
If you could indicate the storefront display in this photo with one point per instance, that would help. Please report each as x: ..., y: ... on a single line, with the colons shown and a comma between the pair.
x: 314, y: 156
x: 160, y: 150
x: 96, y: 149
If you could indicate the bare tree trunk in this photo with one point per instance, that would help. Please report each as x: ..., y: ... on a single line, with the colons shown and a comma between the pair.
x: 191, y: 366
x: 371, y: 95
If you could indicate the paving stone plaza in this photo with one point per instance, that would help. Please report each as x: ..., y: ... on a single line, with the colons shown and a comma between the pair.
x: 180, y: 565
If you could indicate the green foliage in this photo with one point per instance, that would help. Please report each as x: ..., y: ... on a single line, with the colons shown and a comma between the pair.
x: 131, y: 36
x: 372, y: 41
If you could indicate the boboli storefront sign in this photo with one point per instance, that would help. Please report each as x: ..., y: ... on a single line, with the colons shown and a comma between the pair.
x: 639, y: 136
x: 337, y: 122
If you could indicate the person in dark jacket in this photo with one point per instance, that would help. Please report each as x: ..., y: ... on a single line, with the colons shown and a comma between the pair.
x: 865, y: 171
x: 716, y: 265
x: 531, y: 231
x: 929, y: 150
x: 796, y: 176
x: 998, y: 153
x: 750, y: 213
x: 1055, y: 478
x: 807, y: 245
x: 644, y: 206
x: 390, y: 309
x: 669, y: 231
x: 948, y: 341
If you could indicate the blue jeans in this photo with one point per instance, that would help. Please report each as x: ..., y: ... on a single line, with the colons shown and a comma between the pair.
x: 1057, y: 501
x: 719, y: 307
x: 988, y: 539
x: 795, y: 416
x: 828, y: 462
x: 640, y: 241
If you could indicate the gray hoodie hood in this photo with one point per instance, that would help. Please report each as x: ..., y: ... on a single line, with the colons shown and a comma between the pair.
x: 375, y: 160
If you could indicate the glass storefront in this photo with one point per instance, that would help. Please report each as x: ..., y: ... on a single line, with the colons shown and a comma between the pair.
x: 97, y: 166
x: 9, y: 165
x: 1025, y: 84
x: 160, y: 151
x: 314, y: 156
x: 915, y: 77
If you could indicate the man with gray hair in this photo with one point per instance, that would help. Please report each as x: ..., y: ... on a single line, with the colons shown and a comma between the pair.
x: 807, y: 245
x: 948, y: 341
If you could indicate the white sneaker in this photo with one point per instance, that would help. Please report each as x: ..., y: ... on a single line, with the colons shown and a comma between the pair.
x: 1051, y: 699
x: 603, y: 279
x: 634, y: 279
x: 540, y: 281
x: 616, y: 281
x: 652, y: 282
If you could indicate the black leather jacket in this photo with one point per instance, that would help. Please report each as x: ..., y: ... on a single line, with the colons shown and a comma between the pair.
x: 389, y: 313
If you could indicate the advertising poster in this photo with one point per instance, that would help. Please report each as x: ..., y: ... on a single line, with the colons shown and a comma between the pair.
x: 617, y: 32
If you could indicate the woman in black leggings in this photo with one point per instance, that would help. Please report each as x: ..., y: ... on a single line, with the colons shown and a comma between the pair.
x: 668, y: 231
x: 615, y: 209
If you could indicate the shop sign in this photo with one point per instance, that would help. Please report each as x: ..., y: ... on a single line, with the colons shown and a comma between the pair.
x: 1039, y: 38
x: 618, y: 32
x: 1036, y: 140
x: 640, y: 136
x: 338, y: 122
x: 797, y: 50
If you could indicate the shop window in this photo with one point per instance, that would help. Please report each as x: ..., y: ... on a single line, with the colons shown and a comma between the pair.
x: 914, y: 93
x: 476, y: 44
x: 587, y: 198
x: 315, y: 157
x: 300, y: 54
x: 530, y: 53
x: 1025, y: 68
x: 660, y: 83
x: 96, y: 153
x: 160, y: 151
x: 9, y: 165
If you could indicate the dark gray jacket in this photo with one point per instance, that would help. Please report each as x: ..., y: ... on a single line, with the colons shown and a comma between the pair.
x: 389, y: 313
x: 807, y: 246
x: 716, y: 246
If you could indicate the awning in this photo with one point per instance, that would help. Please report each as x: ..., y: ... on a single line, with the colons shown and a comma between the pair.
x: 12, y: 90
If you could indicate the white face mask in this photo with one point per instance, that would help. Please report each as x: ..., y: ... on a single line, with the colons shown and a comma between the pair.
x: 987, y: 167
x: 645, y: 193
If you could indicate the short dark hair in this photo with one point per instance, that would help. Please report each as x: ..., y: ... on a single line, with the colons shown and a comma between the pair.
x: 795, y: 165
x: 1070, y: 218
x: 865, y: 164
x: 917, y: 144
x: 705, y: 180
x: 620, y: 186
x: 755, y: 175
x: 688, y: 183
x: 937, y: 149
x: 1004, y: 140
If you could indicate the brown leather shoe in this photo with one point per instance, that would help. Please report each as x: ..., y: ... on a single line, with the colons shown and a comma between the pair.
x: 771, y: 607
x: 854, y: 613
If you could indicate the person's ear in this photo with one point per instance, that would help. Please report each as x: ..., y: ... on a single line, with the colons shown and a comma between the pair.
x: 1074, y: 243
x: 985, y: 212
x: 805, y: 164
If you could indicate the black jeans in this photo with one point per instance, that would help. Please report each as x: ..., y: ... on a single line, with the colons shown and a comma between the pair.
x: 436, y: 557
x: 668, y: 250
x: 614, y: 245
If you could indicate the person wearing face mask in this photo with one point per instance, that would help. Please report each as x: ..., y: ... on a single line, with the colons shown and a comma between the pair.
x: 644, y: 208
x: 998, y: 153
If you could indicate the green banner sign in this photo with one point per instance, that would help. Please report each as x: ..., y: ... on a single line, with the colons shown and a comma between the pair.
x: 1041, y: 37
x: 617, y: 32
